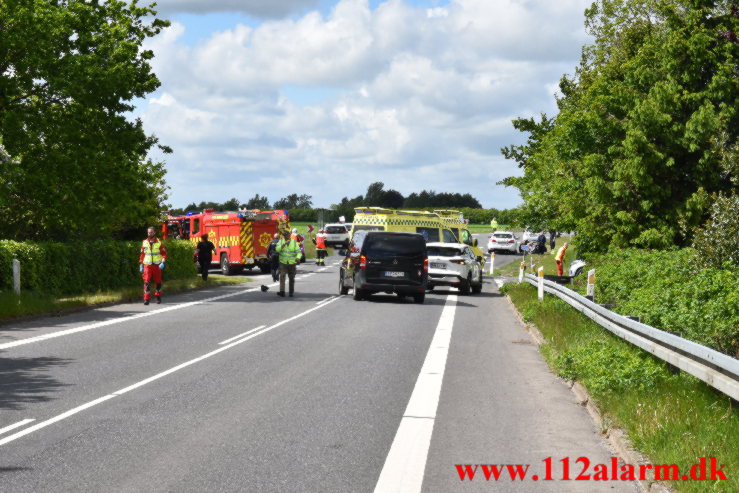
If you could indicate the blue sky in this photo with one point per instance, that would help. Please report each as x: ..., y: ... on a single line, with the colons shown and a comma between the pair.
x: 324, y: 97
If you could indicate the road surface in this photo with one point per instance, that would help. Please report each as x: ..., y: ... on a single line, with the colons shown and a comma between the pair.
x: 232, y: 389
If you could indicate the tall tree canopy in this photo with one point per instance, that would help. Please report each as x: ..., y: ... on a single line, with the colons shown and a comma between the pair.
x: 69, y: 71
x: 634, y: 156
x: 294, y: 201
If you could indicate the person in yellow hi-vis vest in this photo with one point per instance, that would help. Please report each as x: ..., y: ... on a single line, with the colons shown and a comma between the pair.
x: 494, y: 224
x: 289, y: 251
x: 152, y: 258
x: 560, y: 258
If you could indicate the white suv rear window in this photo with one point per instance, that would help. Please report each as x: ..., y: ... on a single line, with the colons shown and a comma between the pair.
x: 444, y: 252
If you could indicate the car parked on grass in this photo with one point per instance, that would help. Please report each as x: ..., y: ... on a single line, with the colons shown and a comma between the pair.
x: 454, y: 264
x: 385, y: 262
x: 576, y: 267
x: 503, y: 241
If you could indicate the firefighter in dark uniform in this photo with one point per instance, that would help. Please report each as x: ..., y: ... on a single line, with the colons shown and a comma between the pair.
x: 205, y: 251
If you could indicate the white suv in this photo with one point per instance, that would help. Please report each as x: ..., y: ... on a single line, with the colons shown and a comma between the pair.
x: 337, y: 235
x: 503, y: 240
x: 454, y: 264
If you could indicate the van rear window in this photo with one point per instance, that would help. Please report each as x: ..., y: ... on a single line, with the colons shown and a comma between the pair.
x: 336, y: 230
x: 394, y: 245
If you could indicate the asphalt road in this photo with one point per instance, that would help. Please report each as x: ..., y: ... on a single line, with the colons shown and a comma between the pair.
x: 232, y: 389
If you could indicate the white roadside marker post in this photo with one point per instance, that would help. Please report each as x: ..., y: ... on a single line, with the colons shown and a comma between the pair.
x: 521, y: 270
x: 590, y: 293
x: 492, y: 262
x: 17, y: 276
x: 541, y: 283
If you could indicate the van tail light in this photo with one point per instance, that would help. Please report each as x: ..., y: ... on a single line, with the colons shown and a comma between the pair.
x: 511, y: 241
x: 457, y: 261
x: 494, y: 241
x: 362, y: 262
x: 425, y: 265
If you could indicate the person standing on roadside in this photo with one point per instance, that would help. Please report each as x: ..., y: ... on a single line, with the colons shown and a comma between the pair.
x: 560, y: 258
x: 541, y: 243
x: 151, y: 260
x: 289, y: 251
x: 320, y: 242
x: 274, y: 257
x: 494, y: 224
x: 205, y: 250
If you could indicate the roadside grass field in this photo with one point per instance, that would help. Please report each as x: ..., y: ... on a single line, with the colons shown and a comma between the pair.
x: 673, y: 419
x: 310, y: 248
x: 34, y: 303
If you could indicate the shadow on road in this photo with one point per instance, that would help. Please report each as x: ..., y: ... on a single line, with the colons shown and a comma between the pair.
x: 25, y: 381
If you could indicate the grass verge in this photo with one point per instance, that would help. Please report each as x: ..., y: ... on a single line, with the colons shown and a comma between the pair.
x: 673, y: 419
x: 34, y: 303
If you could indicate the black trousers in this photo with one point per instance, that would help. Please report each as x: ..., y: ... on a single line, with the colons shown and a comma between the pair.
x: 204, y: 267
x: 275, y: 265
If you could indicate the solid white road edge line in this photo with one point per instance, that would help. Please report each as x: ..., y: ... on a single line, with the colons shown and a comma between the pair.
x: 71, y: 412
x: 241, y: 335
x: 406, y: 462
x: 15, y: 425
x: 106, y: 323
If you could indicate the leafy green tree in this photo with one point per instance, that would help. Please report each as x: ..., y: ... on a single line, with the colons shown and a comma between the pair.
x: 294, y: 201
x: 377, y: 196
x: 633, y: 156
x: 429, y: 199
x: 393, y: 199
x: 257, y: 202
x: 69, y: 71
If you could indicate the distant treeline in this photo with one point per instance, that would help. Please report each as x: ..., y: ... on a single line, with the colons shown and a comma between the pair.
x: 301, y: 206
x: 302, y: 210
x: 475, y: 216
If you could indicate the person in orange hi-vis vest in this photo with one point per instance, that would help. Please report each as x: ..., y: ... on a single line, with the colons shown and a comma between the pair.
x: 560, y: 258
x: 320, y: 242
x: 152, y: 258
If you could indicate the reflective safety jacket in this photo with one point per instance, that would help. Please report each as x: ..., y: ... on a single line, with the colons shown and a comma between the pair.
x: 561, y: 254
x: 152, y: 252
x: 289, y: 251
x: 320, y: 242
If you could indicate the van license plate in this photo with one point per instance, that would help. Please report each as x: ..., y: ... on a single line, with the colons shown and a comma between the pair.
x: 438, y: 266
x: 394, y: 274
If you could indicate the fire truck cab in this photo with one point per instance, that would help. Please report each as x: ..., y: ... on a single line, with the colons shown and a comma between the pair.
x: 241, y: 238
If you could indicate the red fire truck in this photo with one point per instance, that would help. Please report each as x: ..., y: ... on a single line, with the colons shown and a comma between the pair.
x: 241, y: 238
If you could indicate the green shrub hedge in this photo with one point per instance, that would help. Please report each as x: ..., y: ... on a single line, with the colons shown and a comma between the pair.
x: 85, y: 267
x: 670, y: 292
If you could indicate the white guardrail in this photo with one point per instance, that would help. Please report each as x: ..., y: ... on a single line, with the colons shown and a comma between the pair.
x: 718, y: 370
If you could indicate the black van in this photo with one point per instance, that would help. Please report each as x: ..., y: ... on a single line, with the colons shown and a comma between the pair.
x: 385, y: 262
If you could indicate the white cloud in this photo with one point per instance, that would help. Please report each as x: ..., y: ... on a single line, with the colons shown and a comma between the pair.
x: 257, y: 8
x: 422, y: 98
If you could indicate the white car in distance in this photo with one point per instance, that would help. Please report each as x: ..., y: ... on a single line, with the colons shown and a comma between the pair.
x: 503, y: 241
x: 337, y: 236
x: 454, y: 264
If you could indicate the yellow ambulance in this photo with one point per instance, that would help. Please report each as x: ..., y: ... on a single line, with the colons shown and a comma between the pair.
x: 454, y: 220
x: 428, y: 224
